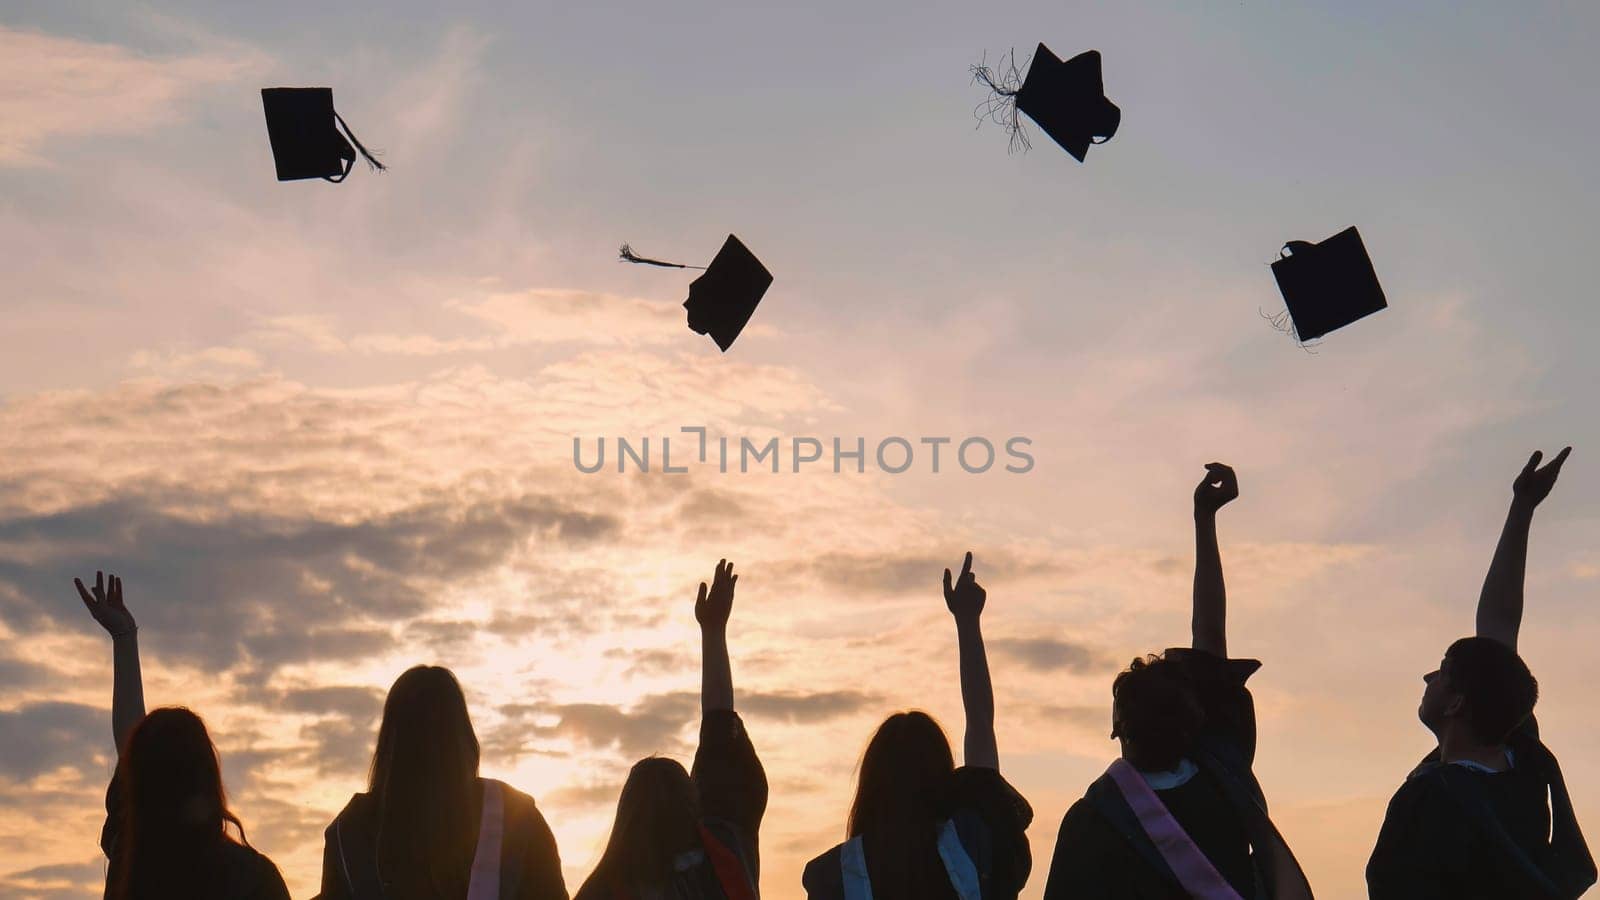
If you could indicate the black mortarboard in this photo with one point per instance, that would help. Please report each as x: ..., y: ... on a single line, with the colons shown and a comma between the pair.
x: 305, y: 141
x: 1327, y: 285
x: 724, y: 297
x: 1066, y: 99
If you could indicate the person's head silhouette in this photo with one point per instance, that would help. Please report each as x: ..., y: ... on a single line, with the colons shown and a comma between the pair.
x: 897, y: 809
x: 658, y: 817
x: 1155, y: 714
x: 1481, y: 691
x: 425, y: 780
x: 173, y: 809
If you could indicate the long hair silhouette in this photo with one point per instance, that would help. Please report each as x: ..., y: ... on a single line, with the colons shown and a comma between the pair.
x: 898, y: 805
x: 425, y: 781
x: 658, y: 816
x: 174, y: 811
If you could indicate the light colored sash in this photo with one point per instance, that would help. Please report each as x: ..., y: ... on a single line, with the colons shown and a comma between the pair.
x: 485, y: 884
x: 957, y: 865
x: 1194, y: 872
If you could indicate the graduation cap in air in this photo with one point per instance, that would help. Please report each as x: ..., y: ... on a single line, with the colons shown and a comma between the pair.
x: 305, y: 141
x: 724, y: 297
x: 1066, y: 99
x: 1327, y: 285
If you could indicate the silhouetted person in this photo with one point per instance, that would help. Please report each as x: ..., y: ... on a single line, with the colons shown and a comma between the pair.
x: 428, y: 828
x: 692, y: 836
x: 1472, y: 820
x: 1181, y: 814
x: 920, y: 828
x: 166, y: 812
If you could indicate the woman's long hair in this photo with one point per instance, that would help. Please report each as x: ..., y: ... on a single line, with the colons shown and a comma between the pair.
x: 425, y: 782
x: 658, y: 818
x: 898, y: 807
x: 174, y: 813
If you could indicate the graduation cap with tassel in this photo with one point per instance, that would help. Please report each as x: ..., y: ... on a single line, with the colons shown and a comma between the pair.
x: 724, y: 297
x: 1066, y: 100
x: 305, y: 142
x: 1326, y: 285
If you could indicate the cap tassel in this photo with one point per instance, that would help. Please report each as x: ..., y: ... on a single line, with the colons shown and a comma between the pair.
x: 365, y: 154
x: 1283, y: 323
x: 626, y: 254
x: 1000, y: 107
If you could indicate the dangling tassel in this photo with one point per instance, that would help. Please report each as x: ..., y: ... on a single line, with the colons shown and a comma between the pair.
x: 626, y: 254
x: 371, y: 161
x: 1000, y: 107
x: 1283, y: 323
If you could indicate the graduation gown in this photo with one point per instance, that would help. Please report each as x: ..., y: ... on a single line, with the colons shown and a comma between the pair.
x: 983, y: 845
x: 530, y: 867
x: 733, y: 799
x: 236, y: 871
x: 1103, y: 853
x: 1462, y: 832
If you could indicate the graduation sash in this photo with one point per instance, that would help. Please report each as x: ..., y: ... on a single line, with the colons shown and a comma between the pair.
x: 958, y: 866
x: 1187, y: 863
x: 360, y: 872
x: 1278, y: 873
x: 485, y: 883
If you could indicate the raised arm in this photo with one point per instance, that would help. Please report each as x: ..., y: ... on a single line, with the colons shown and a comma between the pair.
x: 1209, y: 625
x: 127, y: 685
x: 1500, y: 603
x: 965, y: 599
x: 711, y: 609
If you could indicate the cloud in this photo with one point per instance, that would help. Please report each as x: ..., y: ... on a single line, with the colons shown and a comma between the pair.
x: 652, y: 661
x: 41, y: 737
x: 801, y: 708
x: 651, y: 726
x: 1049, y: 654
x: 58, y: 881
x: 222, y: 588
x: 505, y: 319
x: 56, y: 87
x: 211, y: 362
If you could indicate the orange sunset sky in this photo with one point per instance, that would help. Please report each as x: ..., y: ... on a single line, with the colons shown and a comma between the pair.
x: 325, y: 432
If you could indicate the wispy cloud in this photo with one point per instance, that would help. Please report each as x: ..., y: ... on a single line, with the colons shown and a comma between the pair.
x: 54, y: 87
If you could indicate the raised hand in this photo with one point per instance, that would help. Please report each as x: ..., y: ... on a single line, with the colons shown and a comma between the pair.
x: 712, y: 607
x: 1533, y: 483
x: 1216, y: 490
x: 965, y: 597
x: 105, y: 604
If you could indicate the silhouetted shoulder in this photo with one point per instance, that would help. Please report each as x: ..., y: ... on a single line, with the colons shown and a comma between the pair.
x: 823, y: 879
x: 1093, y: 861
x: 251, y: 875
x: 732, y: 783
x: 991, y: 819
x: 530, y: 863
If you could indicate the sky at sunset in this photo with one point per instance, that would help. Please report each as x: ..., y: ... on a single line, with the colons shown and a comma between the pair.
x: 325, y: 432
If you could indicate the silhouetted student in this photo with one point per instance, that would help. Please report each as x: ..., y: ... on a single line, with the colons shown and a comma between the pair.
x: 920, y: 828
x: 428, y: 828
x: 1180, y: 813
x: 166, y: 811
x: 1472, y: 820
x: 692, y: 836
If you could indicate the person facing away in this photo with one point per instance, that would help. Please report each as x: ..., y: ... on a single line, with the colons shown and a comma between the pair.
x: 692, y: 835
x: 1472, y: 820
x: 1180, y: 813
x: 428, y: 828
x: 920, y: 828
x: 166, y: 811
